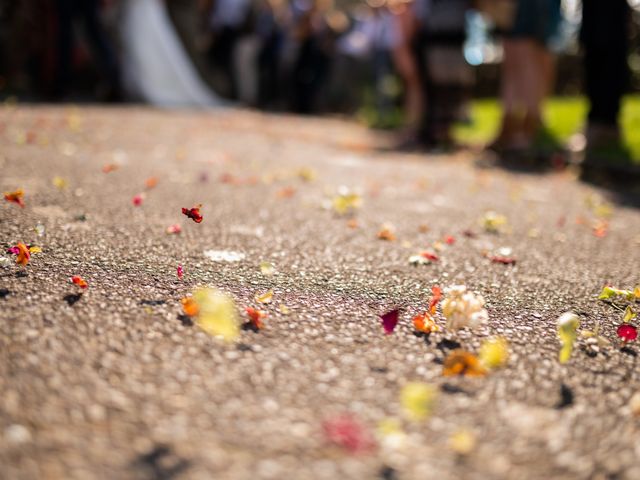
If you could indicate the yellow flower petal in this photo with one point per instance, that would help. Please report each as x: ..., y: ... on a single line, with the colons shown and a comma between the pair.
x: 218, y: 315
x: 265, y: 297
x: 417, y: 400
x: 494, y: 352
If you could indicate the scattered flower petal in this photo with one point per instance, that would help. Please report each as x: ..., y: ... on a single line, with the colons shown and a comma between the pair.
x: 346, y: 202
x: 568, y: 324
x: 59, y: 182
x: 284, y: 309
x: 138, y: 199
x: 267, y: 269
x: 610, y: 292
x: 189, y: 307
x: 39, y: 229
x: 22, y: 254
x: 256, y: 316
x: 493, y: 222
x: 418, y: 400
x: 436, y: 296
x: 265, y: 298
x: 494, y: 352
x: 387, y: 233
x: 502, y: 260
x: 151, y: 183
x: 463, y: 309
x: 432, y: 257
x: 193, y: 213
x: 390, y: 320
x: 463, y: 442
x: 174, y: 229
x: 449, y: 240
x: 424, y: 322
x: 628, y: 333
x: 286, y: 192
x: 348, y: 433
x: 34, y: 249
x: 217, y: 314
x: 461, y: 362
x: 629, y: 314
x: 180, y: 272
x: 109, y: 167
x: 79, y: 282
x: 16, y: 197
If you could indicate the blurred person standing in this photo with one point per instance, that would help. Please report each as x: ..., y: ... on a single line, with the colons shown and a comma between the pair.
x: 228, y: 22
x: 88, y: 12
x: 605, y: 41
x: 447, y: 77
x: 407, y: 14
x: 528, y: 74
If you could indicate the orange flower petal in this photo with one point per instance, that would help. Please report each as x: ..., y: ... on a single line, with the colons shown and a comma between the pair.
x: 461, y: 362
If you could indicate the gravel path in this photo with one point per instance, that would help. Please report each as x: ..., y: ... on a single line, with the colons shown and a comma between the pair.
x: 116, y: 383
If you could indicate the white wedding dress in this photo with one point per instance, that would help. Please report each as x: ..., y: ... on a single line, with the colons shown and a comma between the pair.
x: 155, y: 66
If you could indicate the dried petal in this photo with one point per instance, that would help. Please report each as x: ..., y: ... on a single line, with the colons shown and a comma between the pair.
x: 79, y: 282
x: 461, y: 362
x: 493, y: 222
x: 463, y: 442
x: 348, y: 433
x: 16, y: 197
x: 494, y: 352
x: 190, y: 307
x: 193, y: 213
x: 390, y: 320
x: 418, y: 400
x: 59, y: 182
x: 568, y: 324
x: 217, y: 314
x: 346, y: 202
x: 503, y: 260
x: 109, y: 167
x: 425, y: 323
x: 387, y: 233
x: 256, y: 316
x: 436, y: 296
x: 138, y: 199
x: 22, y: 252
x: 629, y: 314
x: 267, y: 269
x: 430, y: 256
x: 265, y: 297
x: 151, y: 183
x: 628, y: 333
x: 174, y: 229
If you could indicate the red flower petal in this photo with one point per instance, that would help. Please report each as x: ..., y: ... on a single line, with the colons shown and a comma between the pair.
x: 503, y: 260
x: 193, y: 213
x: 79, y: 281
x: 627, y: 333
x: 390, y: 320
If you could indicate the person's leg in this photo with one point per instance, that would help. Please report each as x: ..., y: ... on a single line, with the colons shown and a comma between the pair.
x: 62, y: 77
x: 100, y: 44
x: 605, y: 39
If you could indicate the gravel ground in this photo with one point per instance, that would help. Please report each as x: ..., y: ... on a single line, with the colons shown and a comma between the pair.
x: 116, y: 383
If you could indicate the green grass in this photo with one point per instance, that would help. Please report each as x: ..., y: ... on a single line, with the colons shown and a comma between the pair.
x: 564, y: 116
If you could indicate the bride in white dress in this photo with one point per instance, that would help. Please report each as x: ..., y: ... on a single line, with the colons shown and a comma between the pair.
x: 155, y: 65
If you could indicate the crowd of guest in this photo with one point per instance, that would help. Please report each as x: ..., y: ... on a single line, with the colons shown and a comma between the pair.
x: 314, y: 56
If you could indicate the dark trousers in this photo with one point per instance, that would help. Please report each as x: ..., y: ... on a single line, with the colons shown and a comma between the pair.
x: 87, y: 12
x: 605, y: 39
x: 222, y: 55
